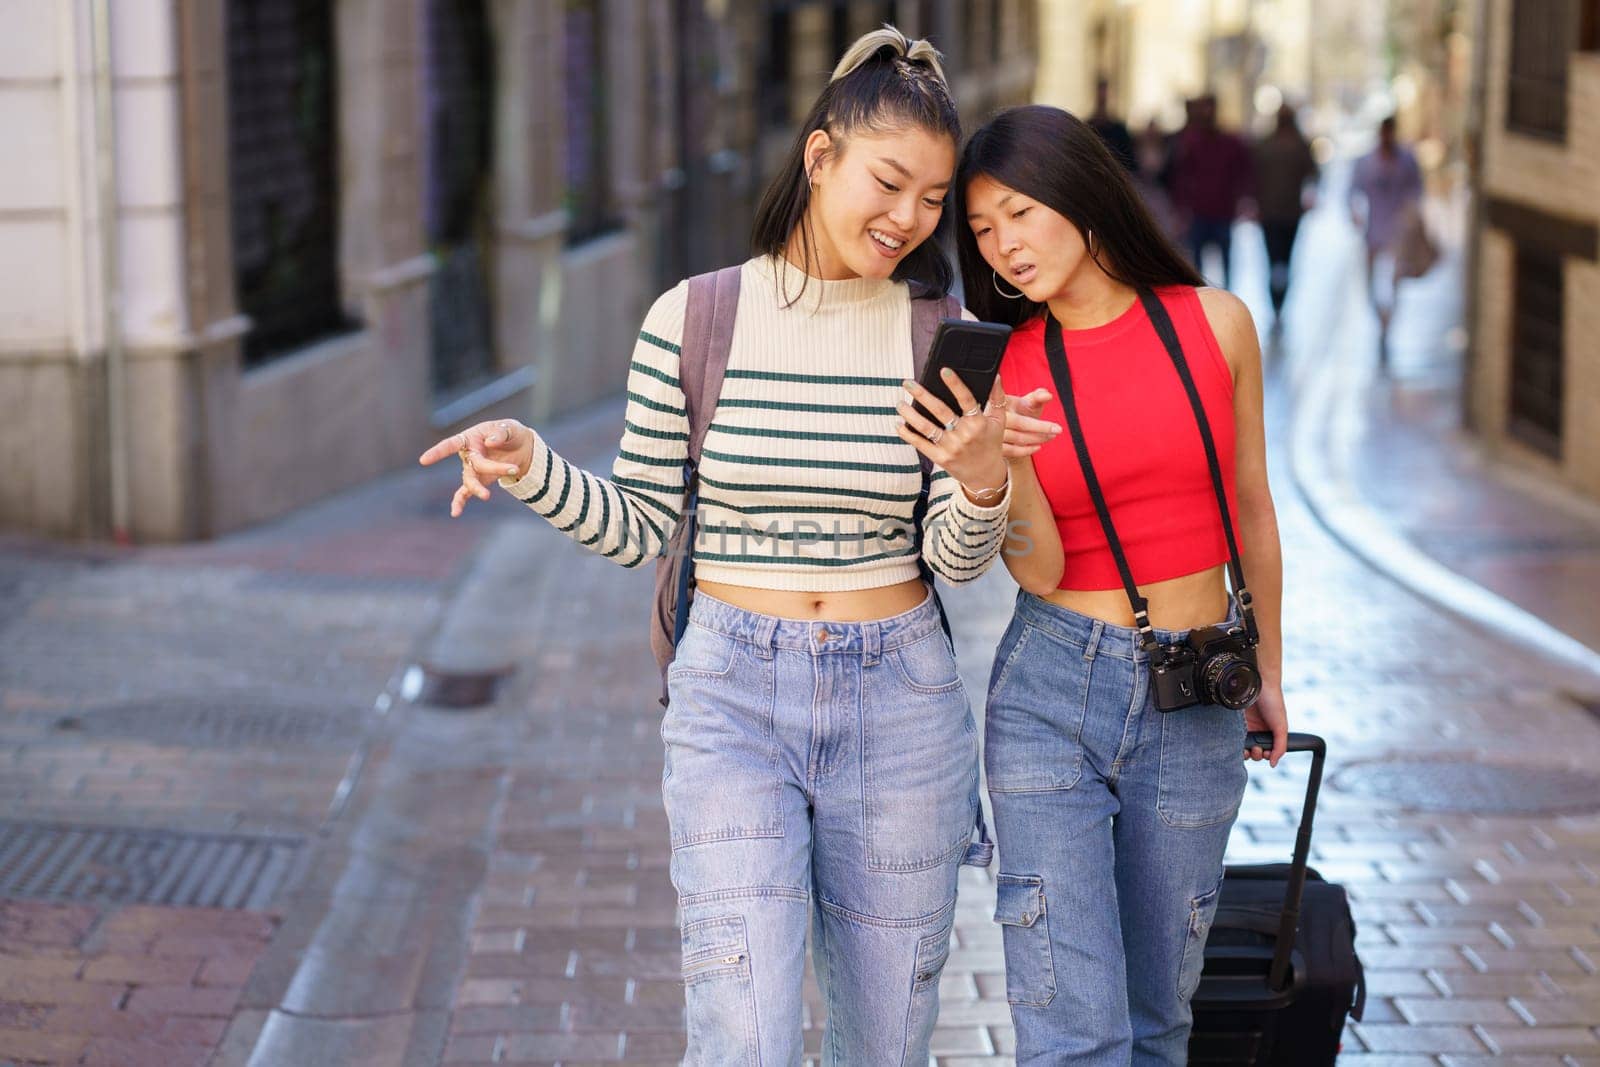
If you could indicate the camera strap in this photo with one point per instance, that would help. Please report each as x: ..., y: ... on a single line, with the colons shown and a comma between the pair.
x: 1061, y: 371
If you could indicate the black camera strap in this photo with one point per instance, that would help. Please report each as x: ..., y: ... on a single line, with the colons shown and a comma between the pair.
x: 1061, y: 371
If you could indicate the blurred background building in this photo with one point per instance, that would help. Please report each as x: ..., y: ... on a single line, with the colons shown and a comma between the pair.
x: 1533, y: 388
x: 255, y: 251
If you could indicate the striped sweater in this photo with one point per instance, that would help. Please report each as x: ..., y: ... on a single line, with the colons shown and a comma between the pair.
x: 803, y: 483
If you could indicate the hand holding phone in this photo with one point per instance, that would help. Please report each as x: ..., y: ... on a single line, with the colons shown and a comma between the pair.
x: 973, y: 351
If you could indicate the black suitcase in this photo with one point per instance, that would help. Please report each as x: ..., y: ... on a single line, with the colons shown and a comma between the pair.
x: 1281, y: 972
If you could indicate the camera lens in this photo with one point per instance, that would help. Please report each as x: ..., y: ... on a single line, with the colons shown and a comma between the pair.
x: 1231, y: 681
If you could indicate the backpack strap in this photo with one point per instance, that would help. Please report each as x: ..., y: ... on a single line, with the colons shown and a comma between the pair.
x: 708, y: 317
x: 707, y: 339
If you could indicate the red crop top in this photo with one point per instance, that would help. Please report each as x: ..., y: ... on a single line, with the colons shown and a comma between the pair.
x: 1142, y: 439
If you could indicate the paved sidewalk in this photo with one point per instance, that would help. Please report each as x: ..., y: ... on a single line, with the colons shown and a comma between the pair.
x: 182, y: 725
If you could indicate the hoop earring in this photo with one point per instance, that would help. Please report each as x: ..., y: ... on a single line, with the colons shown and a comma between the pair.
x: 1009, y: 296
x: 1090, y: 243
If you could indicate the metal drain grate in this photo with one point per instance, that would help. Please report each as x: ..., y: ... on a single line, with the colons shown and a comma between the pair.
x: 122, y: 866
x: 1474, y: 788
x: 210, y: 723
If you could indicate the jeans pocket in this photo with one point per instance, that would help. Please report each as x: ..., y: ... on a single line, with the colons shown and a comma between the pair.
x: 919, y: 772
x: 704, y: 653
x: 1033, y: 724
x: 1202, y: 775
x: 1025, y: 927
x: 932, y: 953
x: 1202, y: 909
x: 927, y: 665
x: 720, y: 780
x: 719, y: 992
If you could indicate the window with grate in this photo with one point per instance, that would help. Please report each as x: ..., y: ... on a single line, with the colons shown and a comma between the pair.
x: 459, y: 112
x: 283, y: 185
x: 1542, y: 32
x: 588, y: 203
x: 1537, y: 357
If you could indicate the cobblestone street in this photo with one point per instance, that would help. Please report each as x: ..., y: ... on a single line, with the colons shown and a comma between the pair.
x: 490, y: 886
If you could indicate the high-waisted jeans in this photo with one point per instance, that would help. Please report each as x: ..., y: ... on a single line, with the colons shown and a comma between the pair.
x: 1111, y: 818
x: 821, y: 775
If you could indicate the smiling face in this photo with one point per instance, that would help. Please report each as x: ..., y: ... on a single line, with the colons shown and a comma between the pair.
x: 875, y: 197
x: 1031, y: 247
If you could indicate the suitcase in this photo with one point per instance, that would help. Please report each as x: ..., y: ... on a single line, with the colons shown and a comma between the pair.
x: 1281, y: 972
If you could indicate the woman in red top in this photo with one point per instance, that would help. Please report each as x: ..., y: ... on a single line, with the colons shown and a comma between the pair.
x: 1112, y: 812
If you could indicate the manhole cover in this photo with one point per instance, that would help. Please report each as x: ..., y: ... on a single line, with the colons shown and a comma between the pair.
x: 124, y: 866
x: 220, y: 723
x: 1471, y: 787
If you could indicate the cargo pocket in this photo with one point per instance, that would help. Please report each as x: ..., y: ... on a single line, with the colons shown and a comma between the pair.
x: 932, y: 953
x: 1201, y: 911
x: 1020, y: 911
x: 720, y: 992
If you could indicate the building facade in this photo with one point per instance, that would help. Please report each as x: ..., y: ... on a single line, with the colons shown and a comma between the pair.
x: 1533, y: 379
x: 259, y: 251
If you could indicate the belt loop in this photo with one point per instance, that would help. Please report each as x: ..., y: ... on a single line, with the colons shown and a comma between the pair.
x: 871, y: 643
x: 1093, y: 644
x: 765, y: 636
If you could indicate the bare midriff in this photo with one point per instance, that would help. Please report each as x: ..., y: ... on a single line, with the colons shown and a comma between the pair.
x: 1198, y: 599
x: 847, y: 605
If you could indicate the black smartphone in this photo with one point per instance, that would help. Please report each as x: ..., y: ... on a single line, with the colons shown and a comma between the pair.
x: 972, y: 350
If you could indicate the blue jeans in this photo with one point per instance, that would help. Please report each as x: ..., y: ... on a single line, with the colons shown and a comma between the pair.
x: 1111, y: 818
x: 1204, y: 232
x: 822, y: 776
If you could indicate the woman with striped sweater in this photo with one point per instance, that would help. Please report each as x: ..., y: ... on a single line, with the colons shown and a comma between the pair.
x: 821, y: 756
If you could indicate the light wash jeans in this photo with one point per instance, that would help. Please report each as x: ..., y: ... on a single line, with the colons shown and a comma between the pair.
x: 1111, y: 818
x: 820, y: 775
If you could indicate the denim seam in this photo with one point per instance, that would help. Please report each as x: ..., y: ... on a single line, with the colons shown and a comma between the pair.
x: 1005, y: 668
x: 912, y: 866
x: 731, y: 833
x: 765, y: 892
x: 845, y: 913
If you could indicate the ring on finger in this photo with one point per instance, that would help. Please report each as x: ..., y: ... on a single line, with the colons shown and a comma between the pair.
x: 976, y: 410
x: 951, y: 425
x: 933, y: 438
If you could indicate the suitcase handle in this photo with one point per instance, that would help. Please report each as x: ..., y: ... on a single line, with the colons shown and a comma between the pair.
x: 1289, y: 921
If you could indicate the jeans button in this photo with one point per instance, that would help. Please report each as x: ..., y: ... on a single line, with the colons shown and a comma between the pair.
x: 822, y: 634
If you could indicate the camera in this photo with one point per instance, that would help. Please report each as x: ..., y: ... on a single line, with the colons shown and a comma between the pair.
x: 1214, y: 665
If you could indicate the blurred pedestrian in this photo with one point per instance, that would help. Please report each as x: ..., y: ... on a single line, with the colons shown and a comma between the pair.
x: 1385, y: 191
x: 1151, y: 150
x: 1212, y: 176
x: 1285, y: 170
x: 815, y: 770
x: 1111, y: 816
x: 1112, y: 130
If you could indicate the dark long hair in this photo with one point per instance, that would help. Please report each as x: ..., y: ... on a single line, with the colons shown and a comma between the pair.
x: 1051, y: 156
x: 885, y: 83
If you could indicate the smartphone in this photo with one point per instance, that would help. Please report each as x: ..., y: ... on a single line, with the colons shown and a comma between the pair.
x: 972, y: 350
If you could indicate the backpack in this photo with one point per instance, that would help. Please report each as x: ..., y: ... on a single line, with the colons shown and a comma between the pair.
x: 707, y: 339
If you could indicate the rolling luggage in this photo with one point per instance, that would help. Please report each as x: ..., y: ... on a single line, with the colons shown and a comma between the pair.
x: 1281, y: 972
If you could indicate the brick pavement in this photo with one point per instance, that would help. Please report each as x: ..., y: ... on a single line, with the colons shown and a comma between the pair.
x: 125, y: 677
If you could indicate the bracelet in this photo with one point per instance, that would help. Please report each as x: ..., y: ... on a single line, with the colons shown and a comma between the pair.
x: 988, y: 496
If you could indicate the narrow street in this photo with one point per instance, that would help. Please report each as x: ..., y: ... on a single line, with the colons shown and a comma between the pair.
x: 400, y: 882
